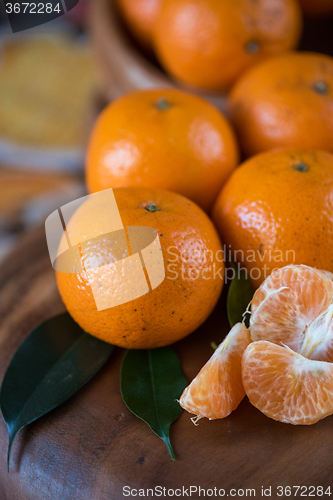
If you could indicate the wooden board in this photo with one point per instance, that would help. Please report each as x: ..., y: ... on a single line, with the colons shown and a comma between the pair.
x: 92, y: 446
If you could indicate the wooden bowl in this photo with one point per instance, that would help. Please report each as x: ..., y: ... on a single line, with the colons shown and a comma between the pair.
x: 123, y: 66
x: 92, y: 446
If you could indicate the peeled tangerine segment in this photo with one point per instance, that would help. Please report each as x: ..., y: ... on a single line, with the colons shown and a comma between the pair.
x: 286, y: 386
x: 294, y: 306
x: 217, y: 390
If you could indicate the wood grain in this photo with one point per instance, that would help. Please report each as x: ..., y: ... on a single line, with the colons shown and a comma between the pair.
x: 92, y: 446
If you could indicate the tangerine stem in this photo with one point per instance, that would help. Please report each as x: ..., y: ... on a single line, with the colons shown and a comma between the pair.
x: 152, y: 208
x: 196, y: 419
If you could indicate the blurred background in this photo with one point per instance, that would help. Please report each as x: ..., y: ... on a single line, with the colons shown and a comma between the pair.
x: 47, y: 91
x: 54, y: 80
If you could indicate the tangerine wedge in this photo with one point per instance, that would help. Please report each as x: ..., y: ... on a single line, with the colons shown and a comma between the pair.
x: 285, y: 385
x: 217, y: 390
x: 294, y: 306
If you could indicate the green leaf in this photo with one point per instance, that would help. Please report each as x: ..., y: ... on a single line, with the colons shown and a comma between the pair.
x: 151, y: 382
x: 239, y: 296
x: 51, y: 364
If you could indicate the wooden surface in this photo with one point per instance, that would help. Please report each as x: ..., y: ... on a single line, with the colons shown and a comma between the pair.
x: 92, y: 446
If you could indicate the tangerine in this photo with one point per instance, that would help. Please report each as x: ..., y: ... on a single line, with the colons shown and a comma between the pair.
x: 294, y: 306
x: 217, y: 390
x: 210, y: 43
x: 165, y: 139
x: 276, y: 209
x: 141, y: 16
x: 286, y: 101
x: 286, y: 386
x: 194, y: 271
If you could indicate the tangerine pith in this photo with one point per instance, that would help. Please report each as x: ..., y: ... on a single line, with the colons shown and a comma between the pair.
x: 217, y: 390
x: 286, y: 386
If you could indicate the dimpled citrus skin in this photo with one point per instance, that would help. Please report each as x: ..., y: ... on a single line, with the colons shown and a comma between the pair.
x: 179, y: 304
x: 286, y: 101
x: 277, y: 209
x: 209, y: 43
x: 286, y: 386
x: 140, y: 16
x: 165, y: 139
x: 217, y: 390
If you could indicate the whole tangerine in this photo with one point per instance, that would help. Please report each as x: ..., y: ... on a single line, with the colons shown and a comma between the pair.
x: 194, y: 272
x: 165, y: 139
x: 286, y: 101
x: 277, y: 209
x: 209, y: 43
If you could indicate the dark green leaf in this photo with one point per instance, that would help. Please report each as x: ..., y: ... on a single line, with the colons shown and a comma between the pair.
x: 52, y: 363
x: 239, y: 296
x: 151, y: 382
